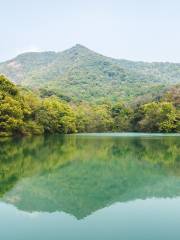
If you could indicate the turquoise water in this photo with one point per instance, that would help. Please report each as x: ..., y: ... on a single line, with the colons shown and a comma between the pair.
x: 90, y: 186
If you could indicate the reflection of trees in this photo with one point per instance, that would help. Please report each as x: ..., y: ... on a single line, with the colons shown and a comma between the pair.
x: 80, y: 174
x: 26, y: 157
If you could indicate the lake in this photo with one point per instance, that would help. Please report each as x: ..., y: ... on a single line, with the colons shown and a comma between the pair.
x: 90, y: 187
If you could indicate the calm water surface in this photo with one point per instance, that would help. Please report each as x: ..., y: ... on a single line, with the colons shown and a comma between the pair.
x: 90, y: 187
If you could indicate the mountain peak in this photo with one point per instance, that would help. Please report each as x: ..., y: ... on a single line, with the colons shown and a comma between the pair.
x: 79, y: 48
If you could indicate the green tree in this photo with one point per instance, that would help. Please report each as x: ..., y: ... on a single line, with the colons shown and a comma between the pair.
x: 56, y: 116
x: 122, y: 116
x: 158, y: 117
x: 11, y: 116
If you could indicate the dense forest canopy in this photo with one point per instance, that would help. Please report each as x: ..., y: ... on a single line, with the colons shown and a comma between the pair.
x: 79, y: 74
x: 23, y: 112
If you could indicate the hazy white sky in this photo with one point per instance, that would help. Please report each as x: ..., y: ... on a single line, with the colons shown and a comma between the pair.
x: 133, y: 29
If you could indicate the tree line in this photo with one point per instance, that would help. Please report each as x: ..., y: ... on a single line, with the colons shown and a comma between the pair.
x: 23, y: 112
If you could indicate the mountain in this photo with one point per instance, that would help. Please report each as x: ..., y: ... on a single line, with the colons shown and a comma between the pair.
x: 81, y: 74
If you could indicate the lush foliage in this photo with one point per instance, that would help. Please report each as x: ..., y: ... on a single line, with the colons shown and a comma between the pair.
x: 24, y: 113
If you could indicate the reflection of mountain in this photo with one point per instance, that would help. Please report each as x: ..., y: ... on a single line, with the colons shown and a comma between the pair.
x: 80, y: 174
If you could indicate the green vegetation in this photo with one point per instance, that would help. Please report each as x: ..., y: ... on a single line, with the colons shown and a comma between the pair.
x: 79, y: 74
x: 25, y: 113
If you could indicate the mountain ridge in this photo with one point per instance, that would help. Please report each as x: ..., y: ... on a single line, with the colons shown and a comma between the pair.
x: 78, y: 45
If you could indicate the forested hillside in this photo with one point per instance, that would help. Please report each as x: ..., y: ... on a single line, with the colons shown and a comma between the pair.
x: 79, y: 74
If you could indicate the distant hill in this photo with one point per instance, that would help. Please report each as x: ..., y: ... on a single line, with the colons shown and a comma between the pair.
x: 81, y: 74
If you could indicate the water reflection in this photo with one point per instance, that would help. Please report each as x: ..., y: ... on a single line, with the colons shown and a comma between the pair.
x: 82, y: 174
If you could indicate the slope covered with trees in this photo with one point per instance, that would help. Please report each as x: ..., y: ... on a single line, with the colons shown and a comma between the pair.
x: 79, y: 74
x: 23, y: 113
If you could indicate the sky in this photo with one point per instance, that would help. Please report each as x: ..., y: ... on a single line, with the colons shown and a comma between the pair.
x: 146, y: 30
